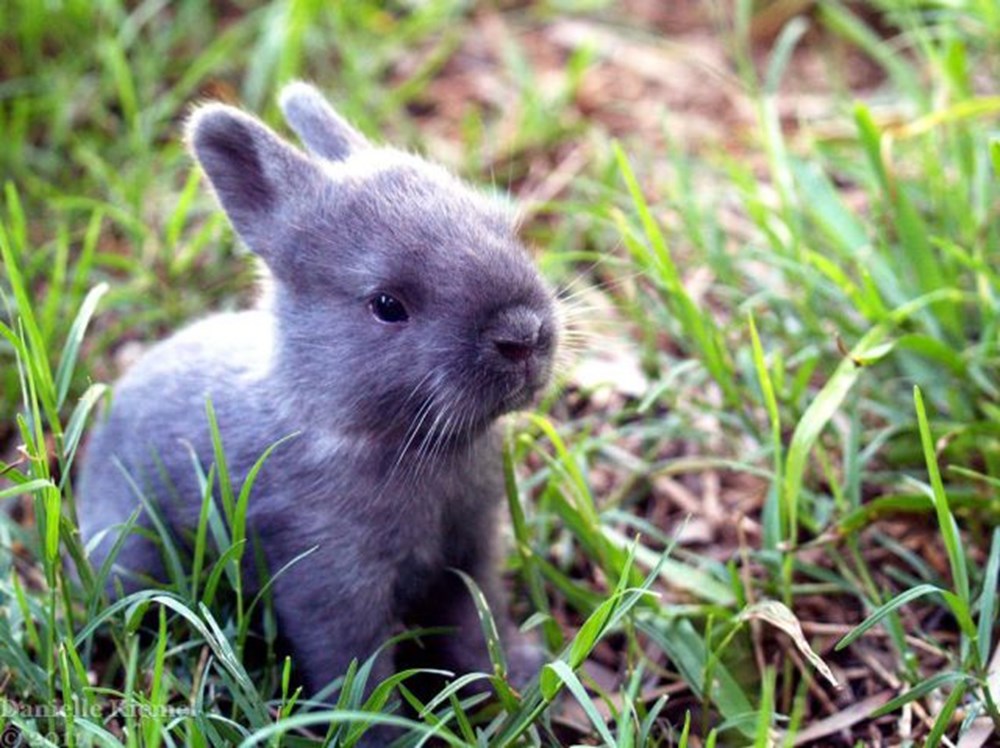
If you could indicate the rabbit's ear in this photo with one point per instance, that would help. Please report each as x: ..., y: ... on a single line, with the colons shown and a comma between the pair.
x: 257, y: 176
x: 322, y: 130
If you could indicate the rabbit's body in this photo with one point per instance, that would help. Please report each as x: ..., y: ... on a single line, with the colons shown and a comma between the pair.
x: 405, y: 319
x: 225, y: 358
x: 389, y: 555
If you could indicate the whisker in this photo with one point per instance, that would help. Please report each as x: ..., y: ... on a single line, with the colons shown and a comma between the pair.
x: 426, y: 407
x: 593, y: 288
x: 414, y: 429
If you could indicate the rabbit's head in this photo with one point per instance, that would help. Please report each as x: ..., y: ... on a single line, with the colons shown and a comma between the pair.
x: 406, y: 309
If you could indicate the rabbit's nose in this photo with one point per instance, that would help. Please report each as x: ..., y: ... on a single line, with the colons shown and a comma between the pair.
x: 516, y: 335
x: 514, y: 350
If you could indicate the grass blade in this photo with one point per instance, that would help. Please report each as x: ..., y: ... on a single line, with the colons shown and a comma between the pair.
x: 987, y: 600
x: 946, y: 520
x: 818, y: 414
x: 71, y: 349
x: 883, y: 610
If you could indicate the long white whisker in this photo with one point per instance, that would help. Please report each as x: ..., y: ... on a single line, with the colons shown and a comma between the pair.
x: 414, y: 429
x: 426, y: 407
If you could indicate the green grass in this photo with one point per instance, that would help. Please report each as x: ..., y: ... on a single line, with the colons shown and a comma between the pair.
x: 837, y: 381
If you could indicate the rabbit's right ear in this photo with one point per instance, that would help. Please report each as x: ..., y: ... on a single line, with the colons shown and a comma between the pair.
x: 257, y: 176
x: 322, y: 130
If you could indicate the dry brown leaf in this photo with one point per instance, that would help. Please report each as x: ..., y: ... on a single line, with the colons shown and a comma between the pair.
x: 778, y: 615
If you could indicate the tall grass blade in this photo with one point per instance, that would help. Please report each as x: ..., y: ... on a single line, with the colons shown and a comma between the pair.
x: 823, y: 407
x: 71, y: 349
x: 946, y: 520
x: 988, y: 599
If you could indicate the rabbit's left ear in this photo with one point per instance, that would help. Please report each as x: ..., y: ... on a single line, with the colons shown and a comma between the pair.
x: 322, y: 131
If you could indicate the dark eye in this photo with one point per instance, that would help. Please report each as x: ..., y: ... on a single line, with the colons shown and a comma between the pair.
x: 388, y: 308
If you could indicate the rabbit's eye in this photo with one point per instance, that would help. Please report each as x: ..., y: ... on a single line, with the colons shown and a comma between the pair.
x: 387, y: 308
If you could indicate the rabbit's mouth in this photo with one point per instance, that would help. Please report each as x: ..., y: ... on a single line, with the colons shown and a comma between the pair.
x: 515, y: 400
x: 523, y: 385
x: 439, y: 423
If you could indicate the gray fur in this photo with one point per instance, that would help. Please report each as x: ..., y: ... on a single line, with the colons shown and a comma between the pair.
x: 395, y: 472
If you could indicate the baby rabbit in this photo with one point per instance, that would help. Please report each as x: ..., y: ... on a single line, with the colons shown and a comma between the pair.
x: 405, y: 319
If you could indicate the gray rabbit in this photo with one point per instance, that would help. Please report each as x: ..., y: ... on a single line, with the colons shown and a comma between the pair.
x: 405, y: 319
